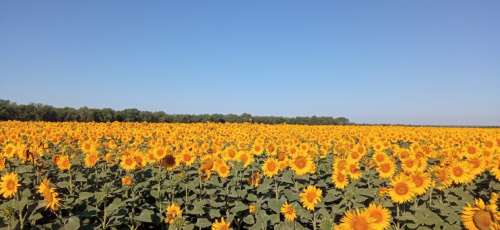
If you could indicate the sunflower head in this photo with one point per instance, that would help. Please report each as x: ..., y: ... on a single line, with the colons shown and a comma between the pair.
x: 9, y: 185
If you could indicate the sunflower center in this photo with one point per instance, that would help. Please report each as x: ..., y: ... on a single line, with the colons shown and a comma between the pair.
x: 482, y: 219
x: 409, y: 163
x: 129, y: 161
x: 488, y: 144
x: 471, y: 150
x: 385, y: 168
x: 457, y: 171
x: 271, y: 166
x: 354, y: 155
x: 231, y: 153
x: 311, y: 196
x: 223, y: 169
x: 401, y: 189
x: 11, y: 185
x: 377, y: 215
x: 419, y: 181
x: 340, y: 178
x: 47, y: 196
x: 300, y: 162
x: 187, y: 157
x: 170, y: 160
x: 380, y: 157
x: 359, y: 224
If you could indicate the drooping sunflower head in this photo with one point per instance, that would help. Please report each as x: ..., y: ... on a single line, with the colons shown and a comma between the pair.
x: 480, y: 216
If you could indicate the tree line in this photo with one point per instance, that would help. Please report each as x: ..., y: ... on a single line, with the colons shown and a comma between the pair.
x: 40, y: 112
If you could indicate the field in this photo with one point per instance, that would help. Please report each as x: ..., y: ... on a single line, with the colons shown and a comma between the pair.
x: 247, y: 176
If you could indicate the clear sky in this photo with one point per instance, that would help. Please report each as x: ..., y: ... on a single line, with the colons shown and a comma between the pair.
x: 396, y: 62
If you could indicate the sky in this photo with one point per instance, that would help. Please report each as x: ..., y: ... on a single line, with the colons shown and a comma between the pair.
x: 379, y: 62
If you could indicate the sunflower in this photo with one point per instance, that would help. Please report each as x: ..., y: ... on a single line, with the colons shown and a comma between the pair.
x: 222, y: 225
x: 2, y: 163
x: 480, y: 216
x: 127, y: 162
x: 288, y: 211
x: 477, y: 165
x: 10, y: 150
x: 63, y: 162
x: 381, y: 216
x: 170, y: 161
x: 402, y: 189
x: 140, y: 159
x: 91, y: 159
x: 270, y: 167
x: 127, y: 181
x: 257, y: 149
x: 340, y: 164
x: 443, y: 177
x: 159, y: 153
x: 222, y: 169
x: 460, y: 172
x: 49, y: 195
x: 255, y: 179
x: 187, y: 157
x: 9, y: 184
x: 495, y: 168
x: 301, y: 164
x: 409, y: 164
x: 169, y: 220
x: 386, y: 169
x: 251, y: 208
x: 340, y: 180
x: 174, y: 210
x: 422, y: 182
x: 357, y: 220
x: 310, y: 197
x: 380, y: 157
x: 354, y: 172
x: 245, y: 157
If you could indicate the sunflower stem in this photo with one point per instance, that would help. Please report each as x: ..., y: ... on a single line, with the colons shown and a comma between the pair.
x: 314, y: 219
x: 277, y: 196
x: 159, y: 192
x: 397, y: 216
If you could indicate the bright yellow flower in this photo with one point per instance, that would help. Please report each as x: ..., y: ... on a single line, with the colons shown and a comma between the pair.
x: 310, y: 197
x: 9, y: 184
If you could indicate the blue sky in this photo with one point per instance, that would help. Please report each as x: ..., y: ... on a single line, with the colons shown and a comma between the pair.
x: 396, y: 62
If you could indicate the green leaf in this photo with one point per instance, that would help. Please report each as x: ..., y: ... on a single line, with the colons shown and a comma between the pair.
x: 240, y: 206
x: 145, y: 216
x: 292, y: 196
x: 274, y: 218
x: 249, y: 219
x: 203, y: 222
x: 85, y: 195
x: 35, y: 217
x: 214, y: 213
x: 197, y: 209
x: 72, y: 223
x: 252, y: 197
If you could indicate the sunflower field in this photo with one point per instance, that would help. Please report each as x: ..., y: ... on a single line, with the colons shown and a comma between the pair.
x: 247, y: 176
